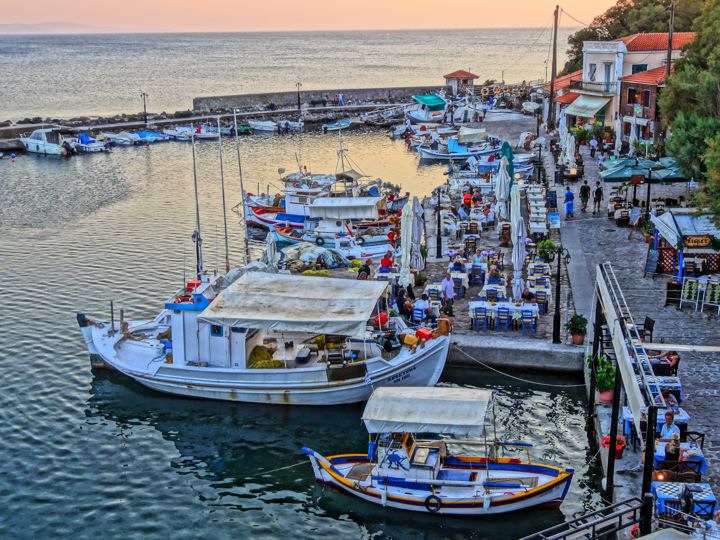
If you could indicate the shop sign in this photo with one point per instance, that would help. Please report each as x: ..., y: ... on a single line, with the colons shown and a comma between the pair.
x: 698, y: 241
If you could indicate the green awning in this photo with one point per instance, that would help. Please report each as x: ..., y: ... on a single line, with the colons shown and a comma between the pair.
x: 587, y: 106
x: 431, y: 101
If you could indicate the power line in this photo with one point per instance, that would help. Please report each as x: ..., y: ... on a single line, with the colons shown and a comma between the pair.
x: 573, y: 18
x: 512, y: 64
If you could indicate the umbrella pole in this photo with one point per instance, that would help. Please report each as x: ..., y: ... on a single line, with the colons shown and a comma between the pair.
x: 647, y: 196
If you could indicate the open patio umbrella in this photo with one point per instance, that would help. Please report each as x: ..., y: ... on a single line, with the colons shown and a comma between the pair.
x: 416, y: 259
x: 618, y: 135
x: 406, y: 236
x: 518, y: 259
x: 502, y: 189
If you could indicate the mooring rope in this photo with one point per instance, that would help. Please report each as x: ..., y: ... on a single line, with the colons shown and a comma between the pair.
x: 278, y: 469
x: 518, y: 378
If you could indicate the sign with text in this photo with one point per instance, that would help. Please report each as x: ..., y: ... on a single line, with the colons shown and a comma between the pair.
x: 697, y: 241
x: 554, y: 220
x: 637, y: 179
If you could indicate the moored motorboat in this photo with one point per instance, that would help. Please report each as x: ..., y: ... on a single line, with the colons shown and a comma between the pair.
x: 87, y: 145
x: 268, y: 338
x: 264, y: 126
x: 336, y: 126
x: 411, y: 464
x: 118, y: 139
x: 49, y: 141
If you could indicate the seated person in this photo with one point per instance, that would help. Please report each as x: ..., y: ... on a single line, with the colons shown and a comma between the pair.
x: 400, y: 302
x: 528, y: 295
x: 673, y: 452
x: 386, y: 262
x: 458, y: 265
x: 364, y: 270
x: 478, y: 257
x: 423, y: 304
x: 670, y: 400
x: 462, y: 214
x: 669, y: 427
x: 665, y: 363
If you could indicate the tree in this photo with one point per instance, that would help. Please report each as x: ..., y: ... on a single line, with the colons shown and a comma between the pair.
x: 710, y: 196
x: 630, y: 17
x: 691, y: 135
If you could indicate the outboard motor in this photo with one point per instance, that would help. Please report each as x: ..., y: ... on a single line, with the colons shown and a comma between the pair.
x: 69, y: 148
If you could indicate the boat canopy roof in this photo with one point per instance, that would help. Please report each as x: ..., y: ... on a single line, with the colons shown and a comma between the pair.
x: 446, y: 411
x: 349, y: 174
x: 288, y: 303
x: 431, y: 101
x: 345, y: 207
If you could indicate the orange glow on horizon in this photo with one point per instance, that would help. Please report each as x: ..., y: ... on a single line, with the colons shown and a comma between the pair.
x: 295, y: 15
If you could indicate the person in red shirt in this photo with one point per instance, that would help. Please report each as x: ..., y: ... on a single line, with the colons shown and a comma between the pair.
x: 391, y: 237
x: 386, y: 262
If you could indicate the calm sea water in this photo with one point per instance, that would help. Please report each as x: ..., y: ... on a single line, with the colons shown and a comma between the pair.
x: 86, y: 454
x: 63, y: 76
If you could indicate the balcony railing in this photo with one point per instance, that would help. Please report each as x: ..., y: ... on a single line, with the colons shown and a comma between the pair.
x: 599, y: 87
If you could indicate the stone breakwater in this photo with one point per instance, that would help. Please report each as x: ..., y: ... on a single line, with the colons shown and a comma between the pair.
x: 311, y: 98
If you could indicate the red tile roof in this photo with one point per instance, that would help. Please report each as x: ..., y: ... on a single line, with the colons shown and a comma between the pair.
x: 567, y: 99
x: 564, y: 81
x: 461, y: 74
x: 657, y: 41
x: 651, y: 76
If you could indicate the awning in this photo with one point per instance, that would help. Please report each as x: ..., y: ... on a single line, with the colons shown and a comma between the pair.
x: 431, y: 101
x: 350, y: 174
x: 345, y: 208
x: 567, y: 99
x: 468, y: 135
x: 287, y: 303
x: 665, y: 226
x: 447, y: 411
x: 587, y: 106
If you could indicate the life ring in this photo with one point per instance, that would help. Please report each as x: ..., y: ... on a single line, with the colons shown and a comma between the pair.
x: 496, y: 90
x: 360, y: 241
x: 485, y: 91
x: 320, y: 241
x: 433, y: 504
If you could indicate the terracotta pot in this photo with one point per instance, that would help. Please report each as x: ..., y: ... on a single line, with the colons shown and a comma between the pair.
x: 606, y: 397
x: 578, y: 339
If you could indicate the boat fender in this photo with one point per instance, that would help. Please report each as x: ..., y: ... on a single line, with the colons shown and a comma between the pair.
x: 485, y: 91
x: 514, y: 460
x: 433, y: 503
x: 361, y: 241
x: 320, y: 241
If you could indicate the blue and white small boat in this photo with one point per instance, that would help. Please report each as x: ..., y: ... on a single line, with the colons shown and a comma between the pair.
x: 148, y: 137
x: 336, y: 126
x: 87, y: 145
x: 410, y: 467
x: 456, y: 151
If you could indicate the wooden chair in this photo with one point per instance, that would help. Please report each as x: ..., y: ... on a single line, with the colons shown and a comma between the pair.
x: 480, y: 316
x: 503, y: 318
x: 434, y: 294
x: 695, y: 437
x: 528, y: 321
x: 541, y: 297
x: 647, y: 329
x: 470, y: 245
x: 473, y: 228
x: 492, y: 295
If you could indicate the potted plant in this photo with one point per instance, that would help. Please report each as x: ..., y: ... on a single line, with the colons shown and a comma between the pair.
x: 546, y: 250
x: 605, y: 380
x: 619, y: 445
x: 577, y: 328
x: 420, y: 279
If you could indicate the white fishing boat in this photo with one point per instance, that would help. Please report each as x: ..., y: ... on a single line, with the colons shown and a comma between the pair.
x: 265, y: 126
x: 49, y: 141
x: 455, y: 151
x: 118, y: 139
x: 428, y: 108
x: 290, y: 126
x: 267, y: 338
x: 180, y: 133
x: 87, y: 145
x: 426, y: 455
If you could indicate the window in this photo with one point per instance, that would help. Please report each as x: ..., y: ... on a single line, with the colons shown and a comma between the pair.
x: 592, y: 70
x: 631, y: 96
x: 646, y: 98
x: 216, y: 330
x: 638, y: 68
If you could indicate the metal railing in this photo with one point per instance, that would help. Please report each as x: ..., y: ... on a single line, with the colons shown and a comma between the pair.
x: 597, y: 524
x: 591, y: 86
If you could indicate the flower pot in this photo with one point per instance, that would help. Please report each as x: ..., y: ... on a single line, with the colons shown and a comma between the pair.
x: 606, y: 397
x: 578, y: 339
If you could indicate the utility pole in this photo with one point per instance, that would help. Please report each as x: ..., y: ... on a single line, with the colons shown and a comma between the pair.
x: 299, y: 85
x: 671, y: 23
x: 144, y: 97
x: 551, y: 115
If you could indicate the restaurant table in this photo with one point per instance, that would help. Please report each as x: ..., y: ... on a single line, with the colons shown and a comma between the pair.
x: 461, y: 276
x: 537, y: 227
x: 515, y: 311
x: 501, y: 290
x: 468, y: 266
x: 694, y: 453
x: 392, y: 277
x: 669, y: 383
x: 539, y: 268
x: 682, y: 417
x: 535, y: 290
x: 703, y: 497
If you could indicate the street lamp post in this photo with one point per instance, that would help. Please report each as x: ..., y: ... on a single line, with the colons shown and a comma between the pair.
x: 438, y: 241
x: 144, y: 97
x: 561, y: 254
x: 299, y: 85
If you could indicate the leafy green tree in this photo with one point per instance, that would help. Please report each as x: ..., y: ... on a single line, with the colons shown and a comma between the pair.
x: 631, y: 17
x: 710, y: 196
x: 690, y: 138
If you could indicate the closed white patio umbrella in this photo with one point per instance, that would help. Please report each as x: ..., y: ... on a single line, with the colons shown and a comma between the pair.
x: 416, y: 259
x: 406, y: 236
x: 518, y: 259
x: 514, y: 210
x: 618, y: 135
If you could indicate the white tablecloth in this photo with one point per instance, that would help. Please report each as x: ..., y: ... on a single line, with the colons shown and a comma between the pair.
x: 501, y: 290
x: 515, y: 311
x: 462, y: 276
x: 539, y: 268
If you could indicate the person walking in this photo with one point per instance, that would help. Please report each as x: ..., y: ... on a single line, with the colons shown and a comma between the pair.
x: 569, y: 205
x: 597, y: 198
x: 448, y: 290
x: 593, y: 146
x: 584, y: 196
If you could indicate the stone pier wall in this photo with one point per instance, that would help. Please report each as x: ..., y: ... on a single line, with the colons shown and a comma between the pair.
x: 310, y: 97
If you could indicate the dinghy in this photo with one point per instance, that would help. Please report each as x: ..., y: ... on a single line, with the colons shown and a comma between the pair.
x: 268, y: 338
x: 336, y: 126
x: 264, y: 126
x: 412, y: 464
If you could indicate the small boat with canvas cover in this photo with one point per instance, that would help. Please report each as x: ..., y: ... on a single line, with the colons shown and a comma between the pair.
x: 455, y: 151
x: 85, y: 144
x: 268, y: 338
x: 263, y: 126
x: 426, y: 455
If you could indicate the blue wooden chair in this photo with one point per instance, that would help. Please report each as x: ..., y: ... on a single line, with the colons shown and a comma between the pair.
x: 418, y: 315
x: 541, y: 281
x: 459, y: 289
x: 480, y: 316
x: 503, y: 318
x: 528, y: 321
x: 434, y: 294
x: 492, y: 295
x: 502, y: 299
x: 494, y: 281
x: 477, y: 276
x: 542, y: 299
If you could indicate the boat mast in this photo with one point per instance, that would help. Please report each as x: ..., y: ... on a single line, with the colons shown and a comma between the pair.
x: 196, y: 235
x: 222, y: 189
x: 551, y: 115
x: 242, y: 190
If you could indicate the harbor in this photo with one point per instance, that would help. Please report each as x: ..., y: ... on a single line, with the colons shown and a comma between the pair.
x: 466, y: 308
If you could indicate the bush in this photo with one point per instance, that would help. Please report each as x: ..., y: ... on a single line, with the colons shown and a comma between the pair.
x: 546, y: 250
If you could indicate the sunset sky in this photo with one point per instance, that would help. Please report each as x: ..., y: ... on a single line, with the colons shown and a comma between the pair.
x: 260, y: 15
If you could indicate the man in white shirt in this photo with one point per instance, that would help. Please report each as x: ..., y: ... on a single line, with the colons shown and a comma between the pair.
x: 669, y: 427
x: 448, y: 289
x: 593, y: 146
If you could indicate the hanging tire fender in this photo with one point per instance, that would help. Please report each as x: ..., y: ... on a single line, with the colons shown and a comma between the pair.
x: 433, y: 504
